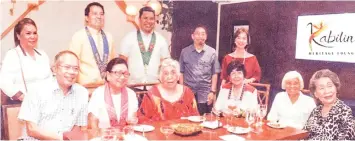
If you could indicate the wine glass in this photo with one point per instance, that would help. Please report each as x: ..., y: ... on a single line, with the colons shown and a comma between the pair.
x: 107, y: 134
x: 227, y: 113
x: 216, y: 112
x: 133, y: 120
x: 166, y: 130
x: 262, y: 113
x: 250, y: 118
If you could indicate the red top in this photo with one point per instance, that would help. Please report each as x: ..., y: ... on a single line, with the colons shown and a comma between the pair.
x: 251, y: 65
x: 155, y: 108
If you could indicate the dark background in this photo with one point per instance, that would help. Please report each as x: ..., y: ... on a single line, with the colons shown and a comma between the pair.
x: 273, y: 30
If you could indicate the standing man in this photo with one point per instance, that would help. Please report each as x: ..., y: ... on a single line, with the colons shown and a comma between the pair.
x: 144, y: 49
x: 60, y: 106
x: 199, y: 69
x: 93, y: 46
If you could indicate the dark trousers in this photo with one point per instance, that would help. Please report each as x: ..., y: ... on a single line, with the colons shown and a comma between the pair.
x: 204, y: 108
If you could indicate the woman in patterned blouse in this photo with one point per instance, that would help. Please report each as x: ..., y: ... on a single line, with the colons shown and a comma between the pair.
x: 167, y: 100
x: 331, y: 119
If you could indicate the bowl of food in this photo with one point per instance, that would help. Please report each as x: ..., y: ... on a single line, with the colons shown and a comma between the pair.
x: 186, y: 129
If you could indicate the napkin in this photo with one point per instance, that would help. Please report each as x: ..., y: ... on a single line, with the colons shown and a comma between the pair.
x: 211, y: 124
x: 232, y: 138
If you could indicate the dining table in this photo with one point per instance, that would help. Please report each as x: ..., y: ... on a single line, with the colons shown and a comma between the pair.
x: 260, y: 132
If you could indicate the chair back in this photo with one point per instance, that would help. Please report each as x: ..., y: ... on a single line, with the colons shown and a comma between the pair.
x: 263, y: 92
x: 140, y: 89
x: 12, y: 127
x: 306, y: 92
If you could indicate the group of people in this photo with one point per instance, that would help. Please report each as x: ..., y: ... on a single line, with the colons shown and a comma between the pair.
x: 55, y: 101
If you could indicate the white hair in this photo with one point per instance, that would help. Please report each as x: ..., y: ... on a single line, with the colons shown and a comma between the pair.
x: 290, y: 75
x: 169, y: 62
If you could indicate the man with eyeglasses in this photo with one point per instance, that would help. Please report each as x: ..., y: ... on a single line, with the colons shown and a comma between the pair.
x: 60, y: 106
x: 92, y: 42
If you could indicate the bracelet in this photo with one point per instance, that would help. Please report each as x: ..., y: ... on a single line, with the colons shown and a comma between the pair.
x: 214, y: 92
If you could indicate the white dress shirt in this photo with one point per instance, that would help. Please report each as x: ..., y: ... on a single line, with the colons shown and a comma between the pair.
x: 97, y: 105
x: 249, y: 100
x: 130, y: 49
x: 294, y: 115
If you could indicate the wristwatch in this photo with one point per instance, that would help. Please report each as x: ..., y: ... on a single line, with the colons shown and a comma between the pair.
x: 214, y: 92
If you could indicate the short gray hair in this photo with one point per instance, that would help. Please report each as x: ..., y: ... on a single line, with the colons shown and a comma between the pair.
x: 290, y: 75
x: 169, y: 62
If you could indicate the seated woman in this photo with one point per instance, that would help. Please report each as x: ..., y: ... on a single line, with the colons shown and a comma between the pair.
x: 331, y: 119
x: 236, y: 92
x: 168, y: 100
x: 112, y: 103
x: 292, y: 107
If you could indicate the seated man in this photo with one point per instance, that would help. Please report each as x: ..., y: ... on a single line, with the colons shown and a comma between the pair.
x: 60, y: 106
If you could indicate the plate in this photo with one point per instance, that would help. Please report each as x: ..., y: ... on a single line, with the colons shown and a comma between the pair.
x: 238, y: 130
x: 195, y: 118
x: 276, y: 125
x: 145, y: 128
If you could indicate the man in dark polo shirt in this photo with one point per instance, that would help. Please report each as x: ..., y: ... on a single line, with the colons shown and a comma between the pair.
x: 199, y: 69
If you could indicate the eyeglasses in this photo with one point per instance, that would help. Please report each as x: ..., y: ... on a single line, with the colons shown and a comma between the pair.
x: 68, y: 67
x: 126, y: 74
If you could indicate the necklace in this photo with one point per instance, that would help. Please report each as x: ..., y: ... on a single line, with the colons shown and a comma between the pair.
x: 241, y: 94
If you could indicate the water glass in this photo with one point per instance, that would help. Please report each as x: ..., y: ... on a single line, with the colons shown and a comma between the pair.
x: 132, y: 120
x: 166, y: 130
x: 262, y: 113
x: 250, y: 117
x: 128, y: 130
x: 227, y: 113
x: 107, y: 134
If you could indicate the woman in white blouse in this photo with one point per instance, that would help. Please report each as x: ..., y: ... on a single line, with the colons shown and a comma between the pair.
x: 113, y: 103
x: 292, y: 108
x: 236, y: 94
x: 26, y: 58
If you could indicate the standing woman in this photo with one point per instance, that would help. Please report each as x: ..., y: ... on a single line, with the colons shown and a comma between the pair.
x: 331, y: 119
x: 25, y: 68
x: 252, y: 68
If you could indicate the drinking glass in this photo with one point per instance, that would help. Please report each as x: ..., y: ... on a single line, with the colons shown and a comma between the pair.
x: 119, y: 134
x: 128, y: 130
x: 132, y: 120
x: 107, y: 134
x: 262, y: 113
x: 166, y: 130
x: 216, y: 112
x: 227, y: 113
x: 250, y: 118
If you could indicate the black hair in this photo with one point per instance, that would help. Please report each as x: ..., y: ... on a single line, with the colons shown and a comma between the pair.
x: 87, y: 9
x: 19, y: 27
x: 235, y: 66
x: 114, y: 62
x: 147, y: 9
